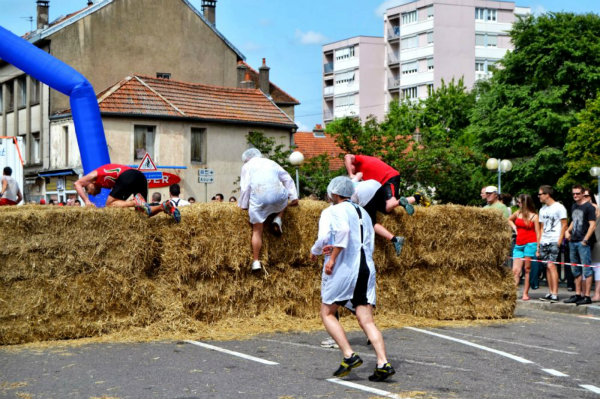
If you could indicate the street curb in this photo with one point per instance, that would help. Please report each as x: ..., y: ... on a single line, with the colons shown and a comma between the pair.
x: 590, y: 310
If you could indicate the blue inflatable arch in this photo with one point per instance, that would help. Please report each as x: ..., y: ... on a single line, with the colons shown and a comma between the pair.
x: 63, y: 78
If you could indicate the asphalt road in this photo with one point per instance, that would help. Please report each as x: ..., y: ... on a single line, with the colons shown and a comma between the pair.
x: 538, y: 355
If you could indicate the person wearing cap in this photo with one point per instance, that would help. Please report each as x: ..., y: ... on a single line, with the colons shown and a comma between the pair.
x: 346, y: 238
x: 493, y: 201
x: 265, y: 188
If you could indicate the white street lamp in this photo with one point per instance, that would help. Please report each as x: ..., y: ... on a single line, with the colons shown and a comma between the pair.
x: 595, y: 171
x: 502, y: 166
x: 296, y: 158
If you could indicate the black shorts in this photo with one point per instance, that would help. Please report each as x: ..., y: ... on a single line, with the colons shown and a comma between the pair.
x: 387, y: 190
x: 359, y: 297
x: 130, y: 182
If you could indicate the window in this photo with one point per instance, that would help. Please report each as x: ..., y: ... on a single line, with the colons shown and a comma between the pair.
x: 410, y: 92
x: 409, y: 17
x: 479, y: 66
x: 1, y: 99
x: 198, y: 145
x: 409, y: 42
x: 429, y: 37
x: 36, y: 155
x: 23, y: 147
x: 10, y: 98
x: 22, y: 90
x: 163, y: 75
x: 346, y: 77
x: 344, y: 53
x: 486, y: 14
x: 430, y: 64
x: 143, y: 141
x: 430, y: 89
x: 65, y: 140
x: 485, y: 40
x: 430, y: 12
x: 410, y: 68
x: 34, y: 85
x: 344, y: 101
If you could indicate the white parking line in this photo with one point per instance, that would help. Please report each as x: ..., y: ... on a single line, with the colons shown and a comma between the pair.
x: 590, y: 317
x: 366, y: 388
x: 516, y: 343
x: 591, y: 388
x: 462, y: 341
x: 238, y: 354
x: 555, y: 373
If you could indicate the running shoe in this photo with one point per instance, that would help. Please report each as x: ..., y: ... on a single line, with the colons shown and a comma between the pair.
x: 329, y: 343
x: 277, y: 226
x: 546, y: 297
x: 170, y: 209
x: 347, y: 365
x: 382, y: 373
x: 256, y: 265
x: 422, y: 199
x: 586, y: 300
x: 141, y: 205
x: 398, y: 245
x: 553, y: 298
x: 409, y: 208
x: 573, y: 299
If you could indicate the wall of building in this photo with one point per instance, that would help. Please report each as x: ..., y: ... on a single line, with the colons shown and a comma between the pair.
x: 143, y: 37
x: 224, y: 147
x: 372, y: 75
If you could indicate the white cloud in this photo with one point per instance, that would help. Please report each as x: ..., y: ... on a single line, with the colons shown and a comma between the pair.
x: 538, y: 10
x: 303, y: 127
x: 310, y: 37
x: 380, y: 10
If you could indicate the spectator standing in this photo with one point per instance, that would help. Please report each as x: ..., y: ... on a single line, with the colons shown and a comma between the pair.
x: 525, y: 224
x: 589, y: 197
x: 553, y: 224
x: 348, y: 277
x: 156, y: 197
x: 219, y: 197
x: 483, y: 196
x: 265, y: 188
x: 191, y: 200
x: 232, y: 199
x: 174, y: 192
x: 579, y: 233
x: 10, y: 193
x: 493, y: 201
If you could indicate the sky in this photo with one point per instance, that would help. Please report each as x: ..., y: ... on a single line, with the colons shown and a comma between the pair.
x: 289, y: 34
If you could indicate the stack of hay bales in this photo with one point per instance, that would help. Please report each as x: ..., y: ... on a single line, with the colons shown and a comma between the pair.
x: 73, y: 272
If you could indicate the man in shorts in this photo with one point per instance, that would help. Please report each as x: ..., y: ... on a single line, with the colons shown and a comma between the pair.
x: 124, y: 182
x: 553, y: 224
x: 10, y: 193
x: 383, y: 197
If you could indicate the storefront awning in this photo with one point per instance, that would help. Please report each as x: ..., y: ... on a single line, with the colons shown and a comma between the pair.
x: 62, y: 172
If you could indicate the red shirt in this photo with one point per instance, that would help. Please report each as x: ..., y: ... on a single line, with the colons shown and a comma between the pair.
x: 108, y: 174
x: 373, y: 168
x: 525, y: 233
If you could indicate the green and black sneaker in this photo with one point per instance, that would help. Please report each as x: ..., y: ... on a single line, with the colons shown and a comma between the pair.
x: 382, y: 373
x: 347, y: 365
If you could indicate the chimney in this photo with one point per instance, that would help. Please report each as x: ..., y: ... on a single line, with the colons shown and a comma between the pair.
x: 208, y: 9
x: 241, y: 73
x: 318, y: 131
x: 247, y: 83
x: 263, y: 78
x: 42, y: 13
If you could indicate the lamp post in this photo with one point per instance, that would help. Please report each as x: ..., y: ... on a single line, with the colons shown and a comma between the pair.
x: 296, y: 158
x: 503, y: 165
x: 595, y: 171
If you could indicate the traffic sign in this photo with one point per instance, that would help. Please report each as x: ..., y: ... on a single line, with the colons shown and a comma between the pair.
x: 206, y: 179
x: 206, y: 172
x: 153, y: 175
x: 147, y: 164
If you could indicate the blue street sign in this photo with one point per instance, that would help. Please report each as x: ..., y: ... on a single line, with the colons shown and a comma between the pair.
x: 153, y: 175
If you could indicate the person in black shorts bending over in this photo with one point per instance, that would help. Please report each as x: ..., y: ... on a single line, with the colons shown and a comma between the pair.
x: 123, y: 182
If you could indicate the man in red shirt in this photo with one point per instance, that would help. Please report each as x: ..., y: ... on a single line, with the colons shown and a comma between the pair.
x: 387, y: 197
x: 123, y: 182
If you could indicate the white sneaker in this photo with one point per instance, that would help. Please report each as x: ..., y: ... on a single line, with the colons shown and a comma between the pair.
x: 329, y: 343
x: 256, y: 265
x: 277, y: 225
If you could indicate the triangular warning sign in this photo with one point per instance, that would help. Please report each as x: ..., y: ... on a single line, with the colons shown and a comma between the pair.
x: 147, y: 163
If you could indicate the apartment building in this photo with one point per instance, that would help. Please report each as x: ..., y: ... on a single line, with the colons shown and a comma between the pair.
x: 430, y: 40
x: 353, y: 78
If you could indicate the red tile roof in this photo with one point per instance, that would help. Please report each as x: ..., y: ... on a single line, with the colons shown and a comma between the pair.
x: 311, y: 146
x: 279, y: 96
x: 147, y: 96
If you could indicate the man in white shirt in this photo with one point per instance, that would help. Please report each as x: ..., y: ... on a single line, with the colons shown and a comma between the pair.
x: 174, y: 192
x: 553, y: 223
x: 10, y: 194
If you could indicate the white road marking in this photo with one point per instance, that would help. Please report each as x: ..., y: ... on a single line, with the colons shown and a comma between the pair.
x: 517, y: 343
x: 462, y: 341
x: 555, y: 372
x: 591, y: 388
x: 366, y: 388
x: 238, y: 354
x: 590, y: 317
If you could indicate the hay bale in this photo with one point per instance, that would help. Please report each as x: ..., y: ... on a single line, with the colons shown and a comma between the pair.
x: 72, y: 272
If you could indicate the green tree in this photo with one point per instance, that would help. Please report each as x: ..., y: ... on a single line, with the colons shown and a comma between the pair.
x: 582, y: 148
x: 527, y: 108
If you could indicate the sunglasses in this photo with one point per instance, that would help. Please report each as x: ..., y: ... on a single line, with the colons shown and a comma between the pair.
x: 586, y: 195
x: 539, y: 194
x: 576, y: 193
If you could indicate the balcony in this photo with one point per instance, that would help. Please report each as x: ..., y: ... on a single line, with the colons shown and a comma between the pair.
x: 328, y: 68
x: 327, y: 115
x: 393, y: 58
x: 328, y: 91
x: 393, y: 84
x: 393, y: 33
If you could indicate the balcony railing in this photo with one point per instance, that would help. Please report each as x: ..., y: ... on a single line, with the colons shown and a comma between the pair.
x: 393, y: 33
x: 393, y: 83
x: 328, y: 91
x: 327, y: 115
x: 393, y: 58
x: 328, y: 68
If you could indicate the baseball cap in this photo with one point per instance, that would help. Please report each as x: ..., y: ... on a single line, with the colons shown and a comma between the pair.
x: 491, y: 189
